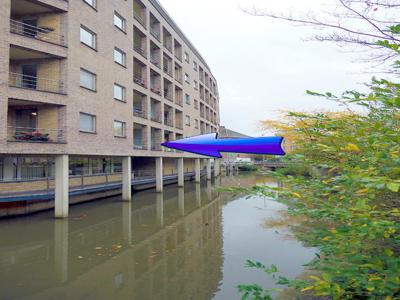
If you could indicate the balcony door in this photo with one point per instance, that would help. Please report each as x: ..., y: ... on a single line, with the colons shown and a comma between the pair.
x: 29, y: 76
x: 26, y: 120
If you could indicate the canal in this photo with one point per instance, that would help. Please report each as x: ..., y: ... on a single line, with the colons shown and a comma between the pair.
x: 182, y: 244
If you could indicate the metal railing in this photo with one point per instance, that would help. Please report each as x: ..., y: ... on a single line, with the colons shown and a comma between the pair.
x: 168, y: 47
x: 156, y: 147
x: 139, y: 80
x: 178, y: 55
x: 140, y: 50
x: 155, y: 61
x: 140, y: 146
x: 155, y: 33
x: 139, y: 18
x: 35, y: 135
x: 168, y: 122
x: 35, y: 83
x: 168, y: 95
x: 156, y: 117
x: 39, y: 33
x: 156, y: 90
x: 138, y: 111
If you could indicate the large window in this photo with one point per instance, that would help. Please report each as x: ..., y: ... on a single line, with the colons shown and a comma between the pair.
x: 88, y: 37
x: 88, y: 80
x: 119, y: 22
x: 119, y: 92
x: 119, y: 129
x: 87, y: 123
x: 119, y: 57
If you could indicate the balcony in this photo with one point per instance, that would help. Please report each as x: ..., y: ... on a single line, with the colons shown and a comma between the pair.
x: 29, y: 122
x: 139, y: 12
x: 156, y: 139
x: 178, y: 96
x: 25, y: 81
x: 139, y: 42
x: 155, y: 111
x: 168, y: 116
x: 139, y: 105
x: 139, y: 137
x: 155, y: 27
x: 139, y: 73
x: 168, y: 90
x: 178, y: 73
x: 39, y: 33
x: 138, y: 79
x: 167, y: 40
x: 178, y: 119
x: 178, y: 50
x: 155, y: 83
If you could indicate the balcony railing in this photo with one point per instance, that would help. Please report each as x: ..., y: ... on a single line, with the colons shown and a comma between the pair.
x: 156, y: 90
x: 139, y: 80
x: 155, y: 61
x: 168, y: 47
x: 39, y: 33
x: 36, y: 83
x: 168, y: 95
x: 138, y: 17
x: 155, y: 33
x: 140, y: 146
x: 139, y: 112
x: 179, y: 101
x: 156, y: 146
x: 35, y: 135
x: 156, y: 117
x: 167, y: 70
x: 178, y: 55
x: 169, y: 122
x: 140, y: 50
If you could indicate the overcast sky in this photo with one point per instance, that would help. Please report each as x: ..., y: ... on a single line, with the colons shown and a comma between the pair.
x: 263, y: 65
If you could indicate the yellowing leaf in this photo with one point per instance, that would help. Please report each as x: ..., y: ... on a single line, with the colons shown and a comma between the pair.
x: 363, y: 191
x: 352, y: 148
x: 306, y: 289
x: 394, y: 187
x: 297, y: 195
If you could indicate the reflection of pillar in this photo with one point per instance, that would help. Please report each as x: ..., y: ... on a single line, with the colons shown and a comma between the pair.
x: 198, y: 194
x: 197, y: 169
x: 208, y: 169
x: 209, y: 191
x: 181, y: 201
x: 160, y: 209
x: 126, y: 178
x: 181, y: 175
x: 159, y: 174
x: 127, y: 222
x: 61, y: 250
x: 62, y: 186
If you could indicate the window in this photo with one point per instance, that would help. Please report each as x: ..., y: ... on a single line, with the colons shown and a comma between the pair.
x: 119, y: 21
x: 196, y: 123
x: 119, y: 129
x: 187, y: 77
x: 92, y: 3
x: 195, y: 66
x: 119, y: 92
x: 119, y: 57
x: 88, y: 37
x: 187, y: 99
x: 87, y: 123
x: 186, y: 56
x: 88, y: 80
x: 195, y: 84
x: 187, y: 120
x: 196, y: 104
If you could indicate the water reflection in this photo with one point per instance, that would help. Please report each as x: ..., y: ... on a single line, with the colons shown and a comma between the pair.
x: 181, y: 244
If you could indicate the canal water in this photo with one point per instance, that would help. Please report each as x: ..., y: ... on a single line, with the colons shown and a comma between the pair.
x: 182, y: 244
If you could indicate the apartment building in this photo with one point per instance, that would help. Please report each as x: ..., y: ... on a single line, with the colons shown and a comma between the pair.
x: 89, y: 86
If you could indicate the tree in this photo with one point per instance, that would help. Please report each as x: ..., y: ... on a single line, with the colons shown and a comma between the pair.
x: 369, y: 26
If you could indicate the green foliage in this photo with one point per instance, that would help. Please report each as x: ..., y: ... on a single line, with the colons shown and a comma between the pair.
x: 248, y: 167
x: 349, y: 199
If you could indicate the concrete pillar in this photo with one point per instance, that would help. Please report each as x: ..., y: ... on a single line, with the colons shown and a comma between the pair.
x: 217, y: 167
x: 181, y: 174
x: 160, y: 209
x: 181, y: 201
x: 209, y: 169
x: 159, y: 174
x: 127, y: 222
x: 62, y: 186
x: 197, y: 170
x: 61, y: 250
x: 9, y: 167
x: 126, y: 178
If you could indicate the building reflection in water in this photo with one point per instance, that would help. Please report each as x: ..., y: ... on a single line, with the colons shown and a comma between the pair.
x: 160, y: 246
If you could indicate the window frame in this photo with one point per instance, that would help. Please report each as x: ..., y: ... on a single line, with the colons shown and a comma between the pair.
x: 94, y: 123
x: 187, y: 99
x: 187, y: 78
x: 123, y: 64
x: 94, y: 6
x: 123, y: 129
x: 83, y: 27
x: 195, y: 66
x: 123, y: 29
x: 186, y: 56
x: 95, y: 80
x: 123, y: 92
x: 187, y: 120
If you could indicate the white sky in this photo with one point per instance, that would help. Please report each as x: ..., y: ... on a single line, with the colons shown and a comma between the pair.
x: 263, y: 65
